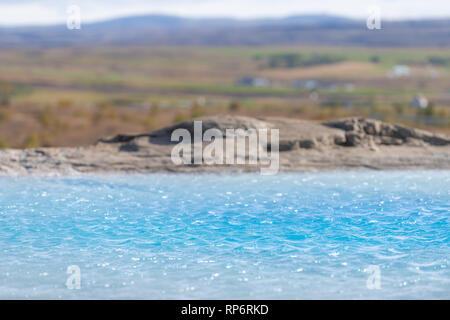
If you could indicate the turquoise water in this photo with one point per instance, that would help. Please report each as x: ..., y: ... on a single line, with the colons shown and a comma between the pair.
x: 245, y: 236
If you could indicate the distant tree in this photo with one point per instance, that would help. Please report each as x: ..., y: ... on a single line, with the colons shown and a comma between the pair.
x: 293, y: 60
x: 438, y: 61
x: 234, y: 106
x: 375, y: 59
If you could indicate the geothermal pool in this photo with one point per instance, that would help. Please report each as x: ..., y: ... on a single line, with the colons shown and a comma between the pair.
x: 346, y: 235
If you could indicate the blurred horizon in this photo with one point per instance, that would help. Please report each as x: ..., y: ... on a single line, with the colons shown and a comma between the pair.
x: 51, y: 12
x: 69, y: 87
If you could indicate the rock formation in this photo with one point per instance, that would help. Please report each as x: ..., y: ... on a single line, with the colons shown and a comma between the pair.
x: 345, y: 144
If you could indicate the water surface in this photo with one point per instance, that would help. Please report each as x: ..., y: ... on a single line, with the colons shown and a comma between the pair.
x: 290, y: 236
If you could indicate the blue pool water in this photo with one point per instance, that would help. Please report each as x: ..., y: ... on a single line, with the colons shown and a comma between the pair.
x: 291, y: 236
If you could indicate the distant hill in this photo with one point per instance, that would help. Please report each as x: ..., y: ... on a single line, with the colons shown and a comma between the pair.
x: 295, y: 30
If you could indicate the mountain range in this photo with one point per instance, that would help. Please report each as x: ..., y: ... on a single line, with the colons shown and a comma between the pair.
x: 295, y: 30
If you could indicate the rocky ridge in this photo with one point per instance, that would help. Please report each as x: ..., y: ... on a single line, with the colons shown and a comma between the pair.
x: 344, y: 144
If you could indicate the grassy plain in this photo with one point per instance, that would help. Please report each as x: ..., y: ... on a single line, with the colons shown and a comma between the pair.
x: 73, y: 96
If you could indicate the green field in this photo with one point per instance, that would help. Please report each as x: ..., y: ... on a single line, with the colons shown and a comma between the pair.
x: 72, y: 96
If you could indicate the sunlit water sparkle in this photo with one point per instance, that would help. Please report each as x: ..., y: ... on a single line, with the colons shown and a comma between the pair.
x: 246, y: 236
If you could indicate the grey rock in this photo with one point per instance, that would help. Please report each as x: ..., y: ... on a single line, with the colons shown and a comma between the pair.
x: 345, y: 144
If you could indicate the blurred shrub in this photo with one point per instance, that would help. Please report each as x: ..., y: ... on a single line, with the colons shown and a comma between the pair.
x: 179, y: 117
x: 5, y: 93
x: 257, y: 57
x: 154, y: 110
x: 428, y: 111
x: 331, y: 103
x: 399, y: 107
x: 64, y: 103
x: 47, y: 117
x: 45, y: 140
x: 4, y: 101
x: 32, y: 141
x: 150, y: 122
x: 128, y: 117
x: 80, y: 114
x: 3, y: 144
x: 105, y: 111
x: 196, y: 111
x: 5, y: 115
x: 234, y: 106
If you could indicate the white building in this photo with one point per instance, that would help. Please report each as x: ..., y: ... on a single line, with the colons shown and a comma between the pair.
x: 420, y: 101
x: 399, y: 71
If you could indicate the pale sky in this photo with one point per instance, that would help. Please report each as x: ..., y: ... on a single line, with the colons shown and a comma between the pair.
x: 33, y: 12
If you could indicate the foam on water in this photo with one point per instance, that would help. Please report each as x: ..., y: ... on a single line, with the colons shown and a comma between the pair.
x: 227, y: 236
